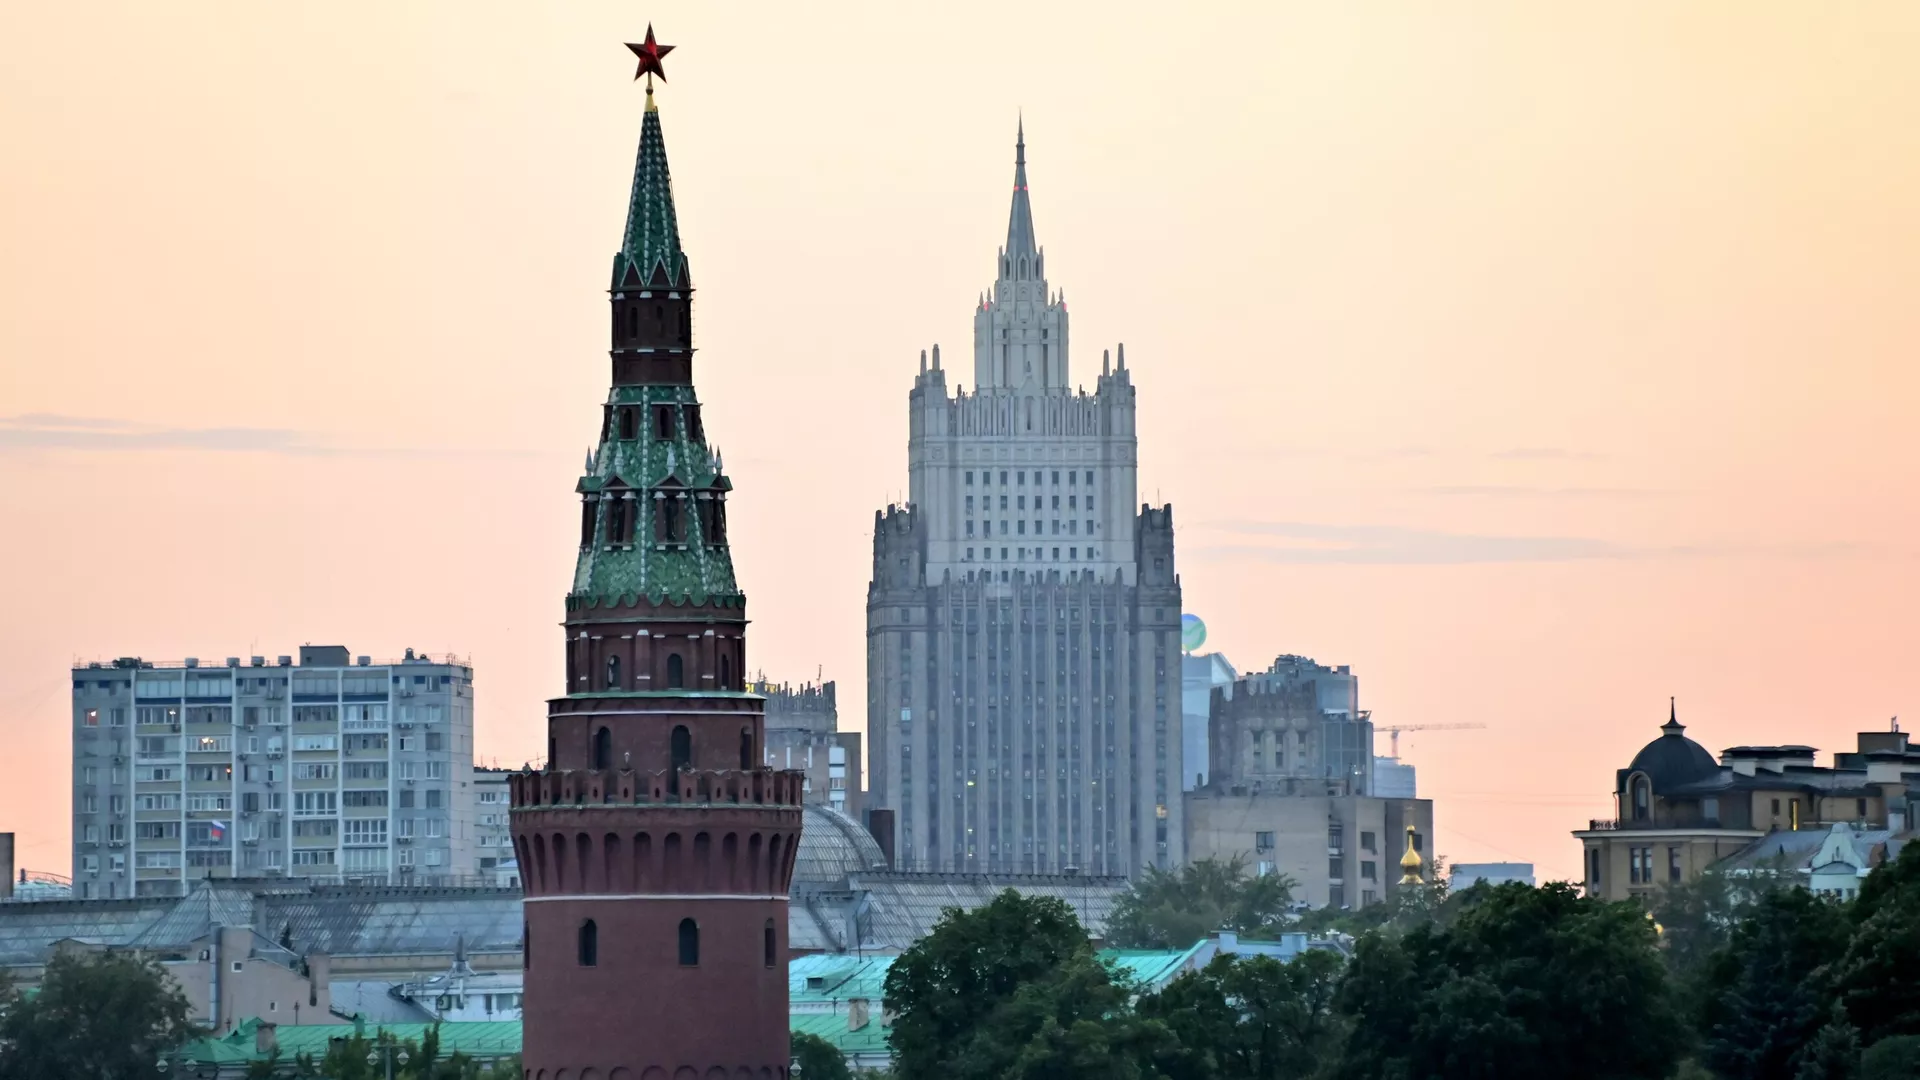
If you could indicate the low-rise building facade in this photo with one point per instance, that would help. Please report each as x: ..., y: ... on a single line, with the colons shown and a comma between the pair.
x: 1679, y: 811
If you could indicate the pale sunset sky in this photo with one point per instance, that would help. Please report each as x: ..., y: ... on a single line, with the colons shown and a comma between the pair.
x: 1539, y: 360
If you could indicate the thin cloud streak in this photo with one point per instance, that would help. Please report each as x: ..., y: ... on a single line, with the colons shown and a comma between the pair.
x: 1533, y: 491
x: 1308, y: 543
x: 30, y: 432
x: 1545, y: 453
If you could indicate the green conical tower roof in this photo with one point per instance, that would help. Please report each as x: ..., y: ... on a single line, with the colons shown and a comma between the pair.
x: 655, y: 532
x: 650, y: 250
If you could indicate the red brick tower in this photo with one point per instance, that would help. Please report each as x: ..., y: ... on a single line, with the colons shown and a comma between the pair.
x: 655, y: 846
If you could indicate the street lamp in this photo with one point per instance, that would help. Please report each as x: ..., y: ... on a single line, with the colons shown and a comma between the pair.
x: 391, y: 1053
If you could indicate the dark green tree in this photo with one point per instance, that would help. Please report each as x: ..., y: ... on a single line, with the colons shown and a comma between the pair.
x: 1011, y: 989
x: 1076, y: 1024
x: 819, y: 1059
x: 1897, y: 1058
x: 1766, y: 992
x: 1249, y: 1018
x: 1523, y: 983
x: 1877, y: 978
x: 98, y: 1016
x: 1833, y: 1053
x: 1172, y: 909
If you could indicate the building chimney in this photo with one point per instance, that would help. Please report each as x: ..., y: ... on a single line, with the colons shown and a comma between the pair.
x: 6, y: 864
x: 856, y: 1014
x: 266, y: 1038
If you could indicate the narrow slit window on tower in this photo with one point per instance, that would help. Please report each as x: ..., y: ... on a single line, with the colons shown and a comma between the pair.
x: 663, y: 421
x: 626, y: 423
x: 689, y: 943
x: 693, y: 422
x: 676, y: 672
x: 770, y: 942
x: 602, y: 748
x: 616, y: 522
x: 589, y: 944
x: 526, y: 946
x: 586, y: 521
x: 746, y: 748
x: 613, y: 675
x: 726, y: 673
x: 633, y: 322
x: 680, y: 748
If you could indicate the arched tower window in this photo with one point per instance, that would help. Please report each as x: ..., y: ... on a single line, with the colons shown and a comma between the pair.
x: 602, y: 748
x: 726, y: 673
x: 626, y: 423
x: 676, y: 672
x: 586, y: 522
x: 589, y: 944
x: 689, y: 943
x: 1023, y: 268
x: 1642, y: 798
x: 613, y: 675
x: 633, y: 322
x: 769, y: 942
x: 746, y: 748
x: 680, y: 747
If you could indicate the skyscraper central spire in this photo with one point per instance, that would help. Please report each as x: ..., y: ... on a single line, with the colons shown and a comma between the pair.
x: 1020, y: 220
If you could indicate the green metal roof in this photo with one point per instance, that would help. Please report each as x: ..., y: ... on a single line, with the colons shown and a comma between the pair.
x: 481, y: 1039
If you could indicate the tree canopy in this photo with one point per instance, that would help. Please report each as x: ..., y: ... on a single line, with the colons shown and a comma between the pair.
x: 1172, y: 909
x: 97, y: 1014
x: 1524, y: 983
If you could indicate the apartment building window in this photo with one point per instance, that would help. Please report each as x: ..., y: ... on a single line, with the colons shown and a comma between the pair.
x: 1367, y: 870
x: 1640, y: 866
x: 1673, y: 864
x: 1334, y: 869
x: 436, y: 741
x: 436, y: 798
x: 1367, y: 842
x: 1336, y: 896
x: 1263, y: 841
x: 311, y: 803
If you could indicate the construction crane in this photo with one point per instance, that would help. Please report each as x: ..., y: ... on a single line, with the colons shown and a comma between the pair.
x: 1393, y: 732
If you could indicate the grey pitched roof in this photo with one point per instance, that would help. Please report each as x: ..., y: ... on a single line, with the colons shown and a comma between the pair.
x: 206, y: 907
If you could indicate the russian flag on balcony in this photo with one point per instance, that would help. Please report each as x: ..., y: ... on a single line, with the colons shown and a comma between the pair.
x: 217, y: 830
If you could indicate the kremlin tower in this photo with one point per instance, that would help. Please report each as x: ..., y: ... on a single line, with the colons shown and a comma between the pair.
x: 655, y: 845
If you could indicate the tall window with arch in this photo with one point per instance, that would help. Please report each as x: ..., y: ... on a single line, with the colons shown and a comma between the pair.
x: 689, y: 943
x: 1642, y: 798
x: 726, y: 673
x: 589, y: 944
x: 680, y: 748
x: 746, y: 748
x: 613, y: 673
x: 676, y: 672
x: 602, y: 748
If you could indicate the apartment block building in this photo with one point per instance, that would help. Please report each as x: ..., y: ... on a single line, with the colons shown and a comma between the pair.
x: 803, y: 732
x: 335, y: 768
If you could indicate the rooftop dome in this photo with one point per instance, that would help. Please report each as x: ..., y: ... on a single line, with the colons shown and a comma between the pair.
x: 1672, y: 759
x: 832, y: 845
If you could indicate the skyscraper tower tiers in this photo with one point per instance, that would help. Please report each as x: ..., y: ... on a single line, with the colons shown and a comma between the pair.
x: 655, y: 845
x: 1023, y: 616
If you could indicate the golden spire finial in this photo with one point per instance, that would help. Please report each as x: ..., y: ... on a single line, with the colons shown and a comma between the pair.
x: 1411, y: 862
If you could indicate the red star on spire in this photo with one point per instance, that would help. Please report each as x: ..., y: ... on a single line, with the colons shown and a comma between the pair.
x: 650, y: 53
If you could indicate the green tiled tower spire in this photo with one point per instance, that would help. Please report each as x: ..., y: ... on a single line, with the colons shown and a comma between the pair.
x: 650, y: 249
x: 653, y: 525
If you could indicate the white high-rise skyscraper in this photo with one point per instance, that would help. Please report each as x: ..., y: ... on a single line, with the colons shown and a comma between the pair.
x: 1024, y: 614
